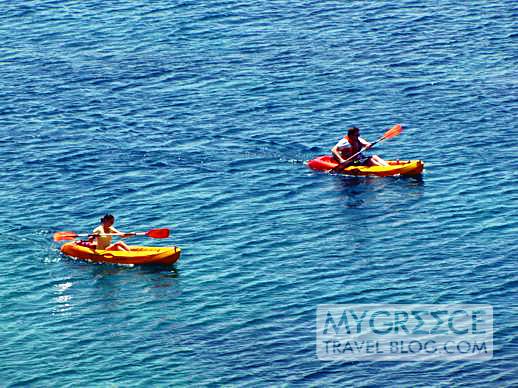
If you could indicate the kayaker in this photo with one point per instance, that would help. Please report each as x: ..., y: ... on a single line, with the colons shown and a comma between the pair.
x: 102, y: 238
x: 350, y: 145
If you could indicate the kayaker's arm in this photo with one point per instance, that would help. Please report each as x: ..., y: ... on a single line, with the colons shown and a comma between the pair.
x: 93, y: 238
x: 336, y: 153
x: 365, y: 143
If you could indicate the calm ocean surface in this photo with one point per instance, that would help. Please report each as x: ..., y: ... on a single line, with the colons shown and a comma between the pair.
x: 198, y: 116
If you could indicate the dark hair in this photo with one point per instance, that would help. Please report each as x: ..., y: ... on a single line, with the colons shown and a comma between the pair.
x: 107, y: 217
x: 353, y: 131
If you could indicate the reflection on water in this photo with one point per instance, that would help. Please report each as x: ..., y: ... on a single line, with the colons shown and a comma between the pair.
x: 63, y: 297
x: 106, y: 270
x: 114, y: 286
x: 116, y: 281
x: 165, y: 271
x: 360, y: 191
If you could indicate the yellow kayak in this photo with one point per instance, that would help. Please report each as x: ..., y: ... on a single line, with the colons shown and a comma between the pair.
x: 137, y: 255
x: 395, y: 167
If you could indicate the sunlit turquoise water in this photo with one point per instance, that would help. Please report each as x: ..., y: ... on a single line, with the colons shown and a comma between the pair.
x: 198, y: 116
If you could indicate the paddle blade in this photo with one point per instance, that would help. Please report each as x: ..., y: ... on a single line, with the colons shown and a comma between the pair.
x: 158, y: 233
x: 393, y: 132
x: 64, y: 236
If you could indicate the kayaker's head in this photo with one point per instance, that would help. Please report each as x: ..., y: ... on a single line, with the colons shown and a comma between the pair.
x: 353, y: 132
x: 108, y: 220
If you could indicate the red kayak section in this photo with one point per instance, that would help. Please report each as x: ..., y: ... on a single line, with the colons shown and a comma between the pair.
x: 322, y: 163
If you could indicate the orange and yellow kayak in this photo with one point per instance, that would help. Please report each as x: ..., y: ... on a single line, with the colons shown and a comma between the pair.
x: 137, y: 255
x: 396, y: 167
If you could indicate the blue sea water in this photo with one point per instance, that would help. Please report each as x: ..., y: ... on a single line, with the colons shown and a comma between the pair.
x: 198, y: 116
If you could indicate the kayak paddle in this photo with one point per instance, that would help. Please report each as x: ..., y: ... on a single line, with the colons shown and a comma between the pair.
x: 153, y: 233
x: 392, y: 132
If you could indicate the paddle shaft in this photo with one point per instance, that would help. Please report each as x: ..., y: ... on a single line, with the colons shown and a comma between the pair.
x: 107, y: 234
x: 153, y: 233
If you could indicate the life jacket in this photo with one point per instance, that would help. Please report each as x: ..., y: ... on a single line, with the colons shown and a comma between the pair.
x: 355, y: 147
x: 344, y: 147
x: 347, y: 150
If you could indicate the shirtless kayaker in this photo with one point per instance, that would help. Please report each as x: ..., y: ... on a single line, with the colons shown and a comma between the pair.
x: 102, y: 238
